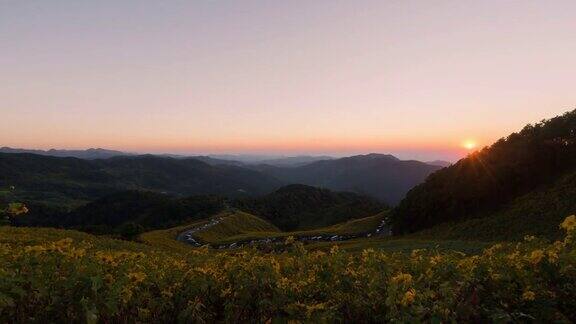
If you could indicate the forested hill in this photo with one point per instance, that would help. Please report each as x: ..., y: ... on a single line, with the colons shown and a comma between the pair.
x: 381, y: 176
x: 487, y: 180
x: 56, y: 180
x: 297, y: 207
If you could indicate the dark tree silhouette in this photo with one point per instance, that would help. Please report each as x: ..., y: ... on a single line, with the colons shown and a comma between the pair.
x: 486, y: 180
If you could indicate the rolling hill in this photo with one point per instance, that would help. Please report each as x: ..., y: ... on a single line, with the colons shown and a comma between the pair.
x: 149, y: 210
x: 536, y: 213
x: 297, y: 207
x: 383, y: 177
x: 235, y: 223
x: 73, y: 181
x: 127, y: 213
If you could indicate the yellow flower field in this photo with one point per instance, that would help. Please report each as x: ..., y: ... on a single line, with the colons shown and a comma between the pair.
x: 81, y: 278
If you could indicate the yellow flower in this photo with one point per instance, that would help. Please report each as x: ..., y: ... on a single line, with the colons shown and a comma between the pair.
x: 283, y: 283
x: 435, y: 259
x: 402, y: 278
x: 490, y: 251
x: 409, y: 297
x: 536, y: 256
x: 34, y: 248
x: 136, y: 277
x: 290, y: 240
x: 529, y: 238
x: 334, y: 249
x: 569, y: 224
x: 552, y: 256
x: 106, y: 258
x: 528, y: 295
x: 366, y: 254
x: 416, y: 254
x: 226, y: 292
x: 310, y: 309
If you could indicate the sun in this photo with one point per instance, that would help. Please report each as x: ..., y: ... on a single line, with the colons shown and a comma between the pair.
x: 469, y: 144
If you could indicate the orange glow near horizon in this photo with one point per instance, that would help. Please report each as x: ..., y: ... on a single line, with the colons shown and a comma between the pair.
x: 319, y: 144
x: 287, y: 77
x: 469, y: 144
x: 430, y: 148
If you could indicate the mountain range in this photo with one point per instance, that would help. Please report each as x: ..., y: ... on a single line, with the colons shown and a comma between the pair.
x: 89, y: 154
x: 381, y: 176
x: 70, y: 180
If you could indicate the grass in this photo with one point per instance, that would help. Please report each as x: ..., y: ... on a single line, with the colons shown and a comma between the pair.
x: 393, y: 244
x: 354, y: 226
x: 252, y: 227
x: 234, y: 224
x: 166, y: 239
x: 38, y: 235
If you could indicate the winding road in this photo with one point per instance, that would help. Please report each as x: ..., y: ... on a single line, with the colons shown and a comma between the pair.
x: 189, y: 238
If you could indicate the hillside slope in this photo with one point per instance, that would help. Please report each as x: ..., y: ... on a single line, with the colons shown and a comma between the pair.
x: 297, y: 207
x: 232, y: 224
x: 147, y: 209
x: 383, y: 177
x: 536, y: 213
x: 66, y: 181
x: 488, y: 180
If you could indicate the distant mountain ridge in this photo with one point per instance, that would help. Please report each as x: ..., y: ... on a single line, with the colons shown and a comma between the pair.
x: 89, y: 154
x: 382, y: 176
x: 97, y: 172
x: 440, y: 163
x: 64, y: 180
x: 294, y: 161
x: 280, y: 161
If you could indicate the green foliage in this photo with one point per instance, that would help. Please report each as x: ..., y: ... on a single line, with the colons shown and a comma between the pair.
x: 148, y: 210
x: 66, y: 276
x: 487, y: 180
x: 166, y: 239
x: 298, y: 207
x: 131, y: 230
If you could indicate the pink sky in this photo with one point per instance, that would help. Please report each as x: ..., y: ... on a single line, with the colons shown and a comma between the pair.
x: 415, y: 78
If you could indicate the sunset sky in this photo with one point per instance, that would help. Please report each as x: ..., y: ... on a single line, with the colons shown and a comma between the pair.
x: 419, y: 79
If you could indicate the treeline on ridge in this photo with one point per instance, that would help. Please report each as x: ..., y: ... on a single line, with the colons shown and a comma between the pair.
x: 129, y: 213
x: 296, y: 207
x: 487, y: 180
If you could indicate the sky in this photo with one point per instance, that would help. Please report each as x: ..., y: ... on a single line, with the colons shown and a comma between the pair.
x: 418, y: 79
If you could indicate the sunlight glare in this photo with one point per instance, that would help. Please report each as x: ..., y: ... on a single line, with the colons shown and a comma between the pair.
x: 469, y: 144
